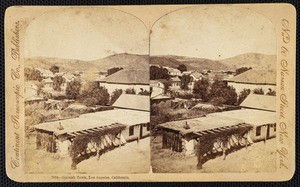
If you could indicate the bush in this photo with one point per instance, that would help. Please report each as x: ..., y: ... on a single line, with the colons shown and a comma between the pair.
x: 221, y: 92
x: 201, y: 89
x: 130, y: 91
x: 218, y: 101
x: 93, y: 94
x: 258, y: 91
x: 243, y: 94
x: 144, y: 92
x: 115, y: 95
x: 271, y: 92
x: 73, y: 89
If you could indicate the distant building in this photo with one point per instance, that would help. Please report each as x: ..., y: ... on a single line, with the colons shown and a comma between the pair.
x: 251, y: 79
x: 127, y: 78
x: 157, y: 87
x: 175, y: 83
x: 173, y: 71
x: 195, y: 76
x: 45, y: 73
x: 31, y: 92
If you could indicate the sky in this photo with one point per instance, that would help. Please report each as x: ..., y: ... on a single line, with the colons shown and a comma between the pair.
x: 85, y: 34
x: 213, y: 33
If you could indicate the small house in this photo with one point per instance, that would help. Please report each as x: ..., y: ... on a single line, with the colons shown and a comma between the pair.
x: 126, y: 78
x: 252, y: 79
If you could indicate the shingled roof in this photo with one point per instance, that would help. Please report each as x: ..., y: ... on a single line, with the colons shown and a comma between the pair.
x: 133, y: 102
x: 128, y: 76
x: 261, y: 102
x: 256, y: 77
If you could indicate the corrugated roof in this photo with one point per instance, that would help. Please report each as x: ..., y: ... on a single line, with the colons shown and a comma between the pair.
x: 249, y: 116
x: 134, y: 102
x: 262, y: 102
x: 128, y: 76
x: 97, y: 119
x: 256, y: 77
x: 201, y: 124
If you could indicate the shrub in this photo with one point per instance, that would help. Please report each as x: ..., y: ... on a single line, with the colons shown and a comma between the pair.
x: 258, y: 91
x: 130, y: 91
x: 115, y: 95
x: 73, y: 89
x: 243, y: 94
x: 271, y: 92
x: 93, y: 94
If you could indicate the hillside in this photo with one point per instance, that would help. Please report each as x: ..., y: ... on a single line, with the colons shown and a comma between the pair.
x: 127, y: 61
x: 254, y: 60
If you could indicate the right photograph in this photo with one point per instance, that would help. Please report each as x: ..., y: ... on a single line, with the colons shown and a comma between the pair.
x: 213, y: 91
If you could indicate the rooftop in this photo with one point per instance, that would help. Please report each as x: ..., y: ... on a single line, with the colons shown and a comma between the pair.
x: 128, y: 76
x: 256, y: 77
x: 94, y: 120
x: 249, y: 116
x: 202, y: 124
x: 133, y: 102
x: 262, y: 102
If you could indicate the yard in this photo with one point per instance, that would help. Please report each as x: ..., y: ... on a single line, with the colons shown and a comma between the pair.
x: 133, y: 157
x: 258, y: 157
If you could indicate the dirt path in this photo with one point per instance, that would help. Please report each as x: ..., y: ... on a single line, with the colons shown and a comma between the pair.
x: 131, y: 158
x: 258, y: 157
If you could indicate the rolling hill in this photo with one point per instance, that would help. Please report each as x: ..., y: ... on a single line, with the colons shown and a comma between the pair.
x: 254, y: 60
x: 127, y: 61
x: 133, y: 61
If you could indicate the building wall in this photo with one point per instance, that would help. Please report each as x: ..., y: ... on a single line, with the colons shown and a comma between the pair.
x: 239, y: 87
x: 157, y: 91
x: 30, y: 91
x: 136, y: 132
x: 256, y: 137
x: 112, y: 87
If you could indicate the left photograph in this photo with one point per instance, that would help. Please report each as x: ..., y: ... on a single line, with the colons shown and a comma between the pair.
x: 87, y: 103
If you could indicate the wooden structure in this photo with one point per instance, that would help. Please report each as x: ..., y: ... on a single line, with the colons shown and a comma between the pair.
x: 205, y: 136
x: 263, y: 122
x: 57, y: 136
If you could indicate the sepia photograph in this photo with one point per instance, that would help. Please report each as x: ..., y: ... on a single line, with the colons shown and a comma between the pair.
x: 150, y: 93
x: 86, y: 93
x: 213, y: 91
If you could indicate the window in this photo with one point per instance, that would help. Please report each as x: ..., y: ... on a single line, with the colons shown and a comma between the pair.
x: 258, y: 131
x: 131, y: 130
x: 148, y: 127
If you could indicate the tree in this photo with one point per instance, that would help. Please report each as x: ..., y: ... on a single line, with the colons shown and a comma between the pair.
x: 113, y: 70
x: 271, y: 92
x: 222, y: 90
x: 54, y: 69
x: 258, y: 91
x: 201, y: 88
x: 94, y: 94
x: 73, y: 89
x: 158, y: 73
x: 115, y: 95
x: 130, y: 91
x: 32, y: 74
x: 242, y: 70
x: 243, y: 94
x: 185, y: 80
x: 182, y: 68
x: 57, y: 82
